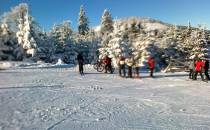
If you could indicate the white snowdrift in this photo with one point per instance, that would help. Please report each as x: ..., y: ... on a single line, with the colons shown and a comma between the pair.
x: 7, y: 65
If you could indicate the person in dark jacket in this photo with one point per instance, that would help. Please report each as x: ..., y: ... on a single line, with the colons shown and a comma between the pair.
x: 191, y: 69
x: 108, y: 64
x: 121, y: 64
x: 206, y: 69
x: 80, y: 61
x: 129, y: 63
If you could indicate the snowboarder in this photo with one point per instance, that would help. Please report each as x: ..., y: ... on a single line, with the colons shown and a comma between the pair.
x: 206, y: 69
x: 121, y: 64
x: 80, y: 61
x: 192, y: 69
x: 129, y: 62
x: 108, y: 64
x: 151, y: 63
x: 198, y: 69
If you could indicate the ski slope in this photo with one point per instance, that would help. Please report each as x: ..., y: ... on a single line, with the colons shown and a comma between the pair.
x: 58, y: 98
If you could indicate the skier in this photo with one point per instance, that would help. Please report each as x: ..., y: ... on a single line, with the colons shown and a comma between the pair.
x: 151, y: 63
x: 206, y: 69
x: 129, y: 62
x: 80, y: 61
x: 198, y: 69
x: 192, y: 69
x: 121, y: 64
x: 108, y: 64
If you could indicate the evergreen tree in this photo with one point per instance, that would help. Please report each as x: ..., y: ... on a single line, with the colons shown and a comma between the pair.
x: 106, y: 23
x: 170, y: 45
x: 200, y: 47
x: 118, y: 44
x: 186, y: 41
x: 63, y: 42
x: 83, y: 26
x: 24, y: 35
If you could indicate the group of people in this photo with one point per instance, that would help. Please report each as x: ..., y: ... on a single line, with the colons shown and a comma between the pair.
x: 195, y: 67
x: 123, y: 63
x: 198, y: 67
x: 131, y: 64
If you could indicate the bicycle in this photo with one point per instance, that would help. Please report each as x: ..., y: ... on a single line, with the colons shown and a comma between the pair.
x: 100, y: 67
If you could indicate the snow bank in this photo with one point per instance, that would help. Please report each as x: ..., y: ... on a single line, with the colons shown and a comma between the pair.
x: 6, y: 65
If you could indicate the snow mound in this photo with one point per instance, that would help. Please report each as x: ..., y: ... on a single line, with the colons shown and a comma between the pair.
x: 60, y: 62
x: 6, y: 65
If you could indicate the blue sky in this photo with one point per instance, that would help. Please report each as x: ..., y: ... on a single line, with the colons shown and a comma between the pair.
x: 49, y: 12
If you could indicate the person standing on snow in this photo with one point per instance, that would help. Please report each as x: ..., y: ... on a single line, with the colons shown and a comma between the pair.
x: 151, y: 64
x: 198, y: 69
x: 192, y: 69
x: 80, y: 61
x: 129, y: 63
x: 108, y: 64
x: 121, y: 64
x: 137, y: 67
x: 206, y: 69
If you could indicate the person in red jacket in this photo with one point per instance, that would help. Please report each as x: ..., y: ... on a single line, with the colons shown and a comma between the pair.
x: 198, y: 69
x: 151, y: 63
x: 108, y: 64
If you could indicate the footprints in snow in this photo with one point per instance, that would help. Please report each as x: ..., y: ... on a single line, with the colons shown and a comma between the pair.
x: 95, y: 87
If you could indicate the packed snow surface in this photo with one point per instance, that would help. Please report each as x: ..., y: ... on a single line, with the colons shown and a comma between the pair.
x: 58, y: 98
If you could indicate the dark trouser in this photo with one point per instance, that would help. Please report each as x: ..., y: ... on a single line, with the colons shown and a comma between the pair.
x: 151, y: 72
x: 196, y: 74
x: 81, y: 68
x: 122, y: 68
x: 130, y: 71
x: 207, y: 74
x: 137, y: 72
x: 108, y: 67
x: 191, y: 74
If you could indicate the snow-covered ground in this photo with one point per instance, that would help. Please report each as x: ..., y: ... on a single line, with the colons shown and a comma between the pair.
x: 58, y: 98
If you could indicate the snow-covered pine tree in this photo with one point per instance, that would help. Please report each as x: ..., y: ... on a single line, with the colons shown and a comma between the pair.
x: 10, y: 49
x: 6, y: 43
x: 118, y: 44
x: 63, y: 44
x: 170, y: 44
x: 200, y: 47
x: 106, y: 23
x: 148, y: 47
x: 25, y: 38
x: 106, y: 29
x: 83, y: 24
x: 133, y: 29
x: 185, y: 41
x: 93, y: 46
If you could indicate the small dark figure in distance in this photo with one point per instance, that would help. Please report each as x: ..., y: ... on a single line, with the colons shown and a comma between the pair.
x: 191, y: 69
x: 137, y: 68
x: 198, y: 69
x: 80, y: 61
x: 206, y: 69
x: 121, y: 64
x: 151, y: 64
